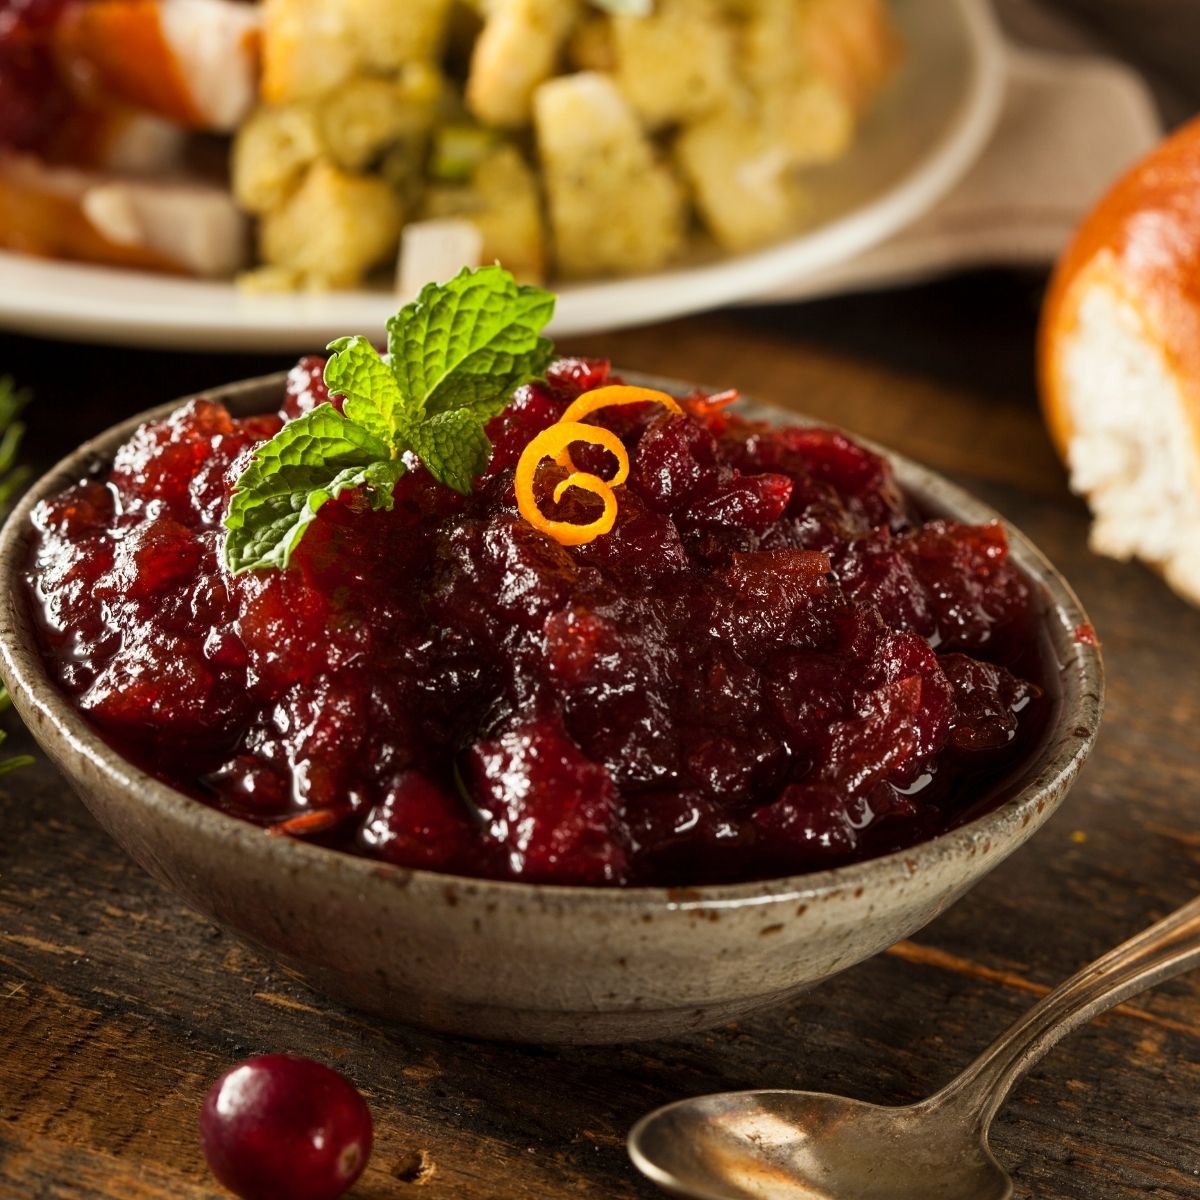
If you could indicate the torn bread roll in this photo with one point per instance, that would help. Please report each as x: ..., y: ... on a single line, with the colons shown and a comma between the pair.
x: 61, y: 212
x: 1120, y: 363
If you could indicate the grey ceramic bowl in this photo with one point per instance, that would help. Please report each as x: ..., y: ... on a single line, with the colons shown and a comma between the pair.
x: 517, y: 961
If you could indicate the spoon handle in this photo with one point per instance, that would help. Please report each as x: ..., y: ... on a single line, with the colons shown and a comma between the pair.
x: 1156, y: 954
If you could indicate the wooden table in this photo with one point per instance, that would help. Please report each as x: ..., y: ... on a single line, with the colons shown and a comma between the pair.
x: 118, y: 1006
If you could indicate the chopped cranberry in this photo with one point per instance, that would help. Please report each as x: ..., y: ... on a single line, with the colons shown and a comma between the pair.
x: 305, y: 389
x: 87, y: 507
x: 643, y: 548
x: 150, y: 559
x: 534, y: 408
x: 987, y: 702
x: 554, y: 812
x: 813, y: 823
x: 578, y: 643
x: 677, y: 458
x: 279, y: 1127
x: 416, y: 824
x: 252, y: 787
x: 161, y: 685
x: 569, y: 378
x: 971, y: 585
x: 752, y: 502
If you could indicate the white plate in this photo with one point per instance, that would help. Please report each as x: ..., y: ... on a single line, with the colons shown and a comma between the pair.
x: 922, y: 134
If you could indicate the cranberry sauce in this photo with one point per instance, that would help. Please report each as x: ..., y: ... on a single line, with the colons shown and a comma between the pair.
x: 771, y: 664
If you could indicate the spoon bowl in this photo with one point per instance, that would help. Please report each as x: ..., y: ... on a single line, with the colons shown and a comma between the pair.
x: 783, y: 1145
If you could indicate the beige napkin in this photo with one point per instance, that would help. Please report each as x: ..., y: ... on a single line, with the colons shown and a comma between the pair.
x: 1070, y: 125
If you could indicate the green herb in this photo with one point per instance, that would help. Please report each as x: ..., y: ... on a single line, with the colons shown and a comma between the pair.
x: 458, y: 150
x: 12, y: 479
x: 454, y: 357
x: 17, y: 760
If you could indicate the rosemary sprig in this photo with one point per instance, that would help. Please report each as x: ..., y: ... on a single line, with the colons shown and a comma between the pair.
x: 13, y: 477
x: 15, y: 761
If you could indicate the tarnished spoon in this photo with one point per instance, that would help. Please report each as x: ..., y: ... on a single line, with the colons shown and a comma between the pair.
x: 786, y: 1145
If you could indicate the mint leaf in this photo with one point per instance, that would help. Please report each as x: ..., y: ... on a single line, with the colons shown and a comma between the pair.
x: 373, y: 396
x: 468, y: 343
x: 454, y: 448
x: 307, y: 463
x: 455, y: 356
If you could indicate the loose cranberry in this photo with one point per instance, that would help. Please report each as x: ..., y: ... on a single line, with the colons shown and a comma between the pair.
x: 284, y: 1128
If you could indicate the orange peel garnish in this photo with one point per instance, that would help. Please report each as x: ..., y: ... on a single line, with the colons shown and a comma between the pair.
x: 614, y: 395
x: 556, y: 441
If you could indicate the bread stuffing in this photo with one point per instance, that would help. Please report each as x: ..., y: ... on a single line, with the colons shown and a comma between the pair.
x: 581, y: 139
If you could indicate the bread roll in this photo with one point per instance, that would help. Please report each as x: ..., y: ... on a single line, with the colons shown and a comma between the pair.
x: 1119, y: 363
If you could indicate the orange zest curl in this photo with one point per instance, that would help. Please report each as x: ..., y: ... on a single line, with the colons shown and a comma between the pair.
x: 614, y: 395
x: 556, y: 443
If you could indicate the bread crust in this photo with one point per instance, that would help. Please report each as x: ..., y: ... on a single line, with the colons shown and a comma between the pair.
x: 1143, y: 241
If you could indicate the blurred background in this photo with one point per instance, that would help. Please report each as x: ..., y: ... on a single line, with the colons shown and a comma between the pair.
x: 1159, y: 37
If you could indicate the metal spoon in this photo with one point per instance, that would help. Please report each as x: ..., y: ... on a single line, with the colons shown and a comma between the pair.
x: 786, y: 1145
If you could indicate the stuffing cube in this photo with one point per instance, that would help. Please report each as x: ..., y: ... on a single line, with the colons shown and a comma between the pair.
x: 503, y: 202
x: 767, y: 39
x: 306, y: 49
x: 271, y: 152
x: 518, y: 48
x: 590, y: 46
x: 810, y: 118
x: 366, y: 115
x: 312, y: 46
x: 615, y: 208
x: 388, y: 34
x: 741, y: 179
x: 677, y: 64
x: 434, y: 251
x: 333, y: 229
x: 852, y: 43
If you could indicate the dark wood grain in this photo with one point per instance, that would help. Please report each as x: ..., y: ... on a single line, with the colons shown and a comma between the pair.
x: 118, y: 1006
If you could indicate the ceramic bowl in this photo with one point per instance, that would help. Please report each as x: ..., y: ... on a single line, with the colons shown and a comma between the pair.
x: 518, y: 961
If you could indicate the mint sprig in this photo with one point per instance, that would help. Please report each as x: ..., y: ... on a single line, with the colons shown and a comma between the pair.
x: 455, y: 355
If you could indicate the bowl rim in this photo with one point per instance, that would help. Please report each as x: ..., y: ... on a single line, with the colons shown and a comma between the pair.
x: 1035, y: 795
